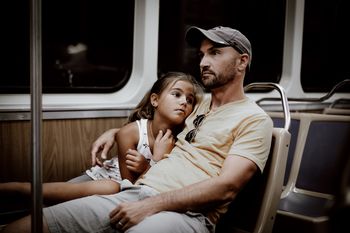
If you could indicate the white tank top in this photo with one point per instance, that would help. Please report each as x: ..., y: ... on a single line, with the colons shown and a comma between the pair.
x: 113, y: 172
x: 143, y: 145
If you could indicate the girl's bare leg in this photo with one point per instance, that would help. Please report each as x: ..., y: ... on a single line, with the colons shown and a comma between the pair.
x: 64, y: 191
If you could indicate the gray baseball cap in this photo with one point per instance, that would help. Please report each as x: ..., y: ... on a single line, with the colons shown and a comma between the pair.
x: 220, y: 35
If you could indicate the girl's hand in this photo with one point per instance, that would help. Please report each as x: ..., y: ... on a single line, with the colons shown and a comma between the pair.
x: 163, y: 144
x: 136, y: 162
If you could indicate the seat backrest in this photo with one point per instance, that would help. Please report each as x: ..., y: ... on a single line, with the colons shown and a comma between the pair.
x: 254, y: 208
x: 327, y: 142
x: 278, y: 121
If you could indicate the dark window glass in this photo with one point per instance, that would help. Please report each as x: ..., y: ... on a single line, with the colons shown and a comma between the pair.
x: 14, y: 66
x: 326, y: 48
x: 261, y: 21
x: 86, y: 45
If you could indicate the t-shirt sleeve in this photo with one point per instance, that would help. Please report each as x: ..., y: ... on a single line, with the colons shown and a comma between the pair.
x: 253, y: 140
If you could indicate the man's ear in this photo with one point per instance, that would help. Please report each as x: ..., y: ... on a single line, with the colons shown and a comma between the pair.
x: 244, y: 61
x: 154, y: 100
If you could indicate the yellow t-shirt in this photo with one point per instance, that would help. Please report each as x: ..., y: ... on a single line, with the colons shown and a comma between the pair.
x: 239, y: 128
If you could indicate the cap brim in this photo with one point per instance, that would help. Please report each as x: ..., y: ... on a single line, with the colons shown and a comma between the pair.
x: 195, y: 35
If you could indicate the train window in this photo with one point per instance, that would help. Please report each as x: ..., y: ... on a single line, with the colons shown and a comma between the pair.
x: 326, y: 48
x: 86, y: 46
x: 261, y: 21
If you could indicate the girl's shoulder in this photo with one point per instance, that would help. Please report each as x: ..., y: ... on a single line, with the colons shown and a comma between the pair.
x: 130, y: 130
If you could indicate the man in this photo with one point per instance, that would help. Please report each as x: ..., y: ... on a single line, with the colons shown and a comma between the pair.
x: 226, y: 140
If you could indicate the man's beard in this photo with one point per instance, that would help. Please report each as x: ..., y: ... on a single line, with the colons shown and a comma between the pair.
x: 217, y: 81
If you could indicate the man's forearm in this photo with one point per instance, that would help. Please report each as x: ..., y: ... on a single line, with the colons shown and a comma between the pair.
x: 196, y: 197
x: 236, y: 172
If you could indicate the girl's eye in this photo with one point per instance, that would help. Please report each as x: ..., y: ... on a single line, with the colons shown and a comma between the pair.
x: 176, y: 94
x: 190, y: 100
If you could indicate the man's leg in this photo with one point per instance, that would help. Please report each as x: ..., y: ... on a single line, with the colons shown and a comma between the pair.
x: 172, y: 222
x: 89, y: 214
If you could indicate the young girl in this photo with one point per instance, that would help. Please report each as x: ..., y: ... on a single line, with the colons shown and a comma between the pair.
x: 148, y: 135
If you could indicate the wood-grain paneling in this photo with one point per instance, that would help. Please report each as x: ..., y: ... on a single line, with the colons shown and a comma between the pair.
x: 66, y: 147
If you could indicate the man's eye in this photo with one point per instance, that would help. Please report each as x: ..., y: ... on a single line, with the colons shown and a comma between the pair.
x: 215, y: 52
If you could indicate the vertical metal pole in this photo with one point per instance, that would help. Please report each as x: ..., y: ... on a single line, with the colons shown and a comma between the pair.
x: 36, y: 114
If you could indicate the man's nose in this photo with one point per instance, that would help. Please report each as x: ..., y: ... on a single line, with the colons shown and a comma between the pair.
x: 203, y: 63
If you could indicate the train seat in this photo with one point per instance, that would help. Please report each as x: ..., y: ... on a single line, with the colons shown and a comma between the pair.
x: 278, y: 121
x: 254, y: 208
x: 312, y: 187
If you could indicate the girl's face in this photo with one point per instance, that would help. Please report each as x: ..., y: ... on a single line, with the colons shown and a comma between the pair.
x: 175, y: 103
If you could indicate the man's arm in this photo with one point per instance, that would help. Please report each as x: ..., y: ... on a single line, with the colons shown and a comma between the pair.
x: 103, y: 143
x: 236, y: 172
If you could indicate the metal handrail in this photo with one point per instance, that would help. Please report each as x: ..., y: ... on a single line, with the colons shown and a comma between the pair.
x: 321, y: 99
x: 284, y: 99
x: 339, y: 101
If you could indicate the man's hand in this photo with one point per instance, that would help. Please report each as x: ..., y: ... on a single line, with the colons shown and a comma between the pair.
x: 129, y: 214
x: 103, y: 144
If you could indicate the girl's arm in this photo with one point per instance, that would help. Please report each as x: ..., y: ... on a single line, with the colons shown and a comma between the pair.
x: 127, y: 138
x: 162, y: 145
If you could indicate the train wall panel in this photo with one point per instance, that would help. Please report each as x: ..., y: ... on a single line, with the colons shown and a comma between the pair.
x: 66, y: 145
